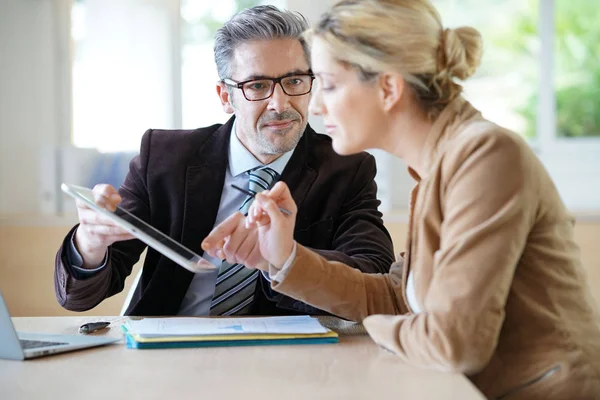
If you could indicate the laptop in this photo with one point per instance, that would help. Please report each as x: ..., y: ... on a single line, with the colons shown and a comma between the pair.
x: 20, y: 346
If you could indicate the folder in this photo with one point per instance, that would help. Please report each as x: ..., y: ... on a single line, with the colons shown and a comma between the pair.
x: 157, y: 333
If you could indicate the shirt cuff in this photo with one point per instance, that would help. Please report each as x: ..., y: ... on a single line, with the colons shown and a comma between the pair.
x: 276, y: 274
x: 265, y: 274
x: 76, y: 261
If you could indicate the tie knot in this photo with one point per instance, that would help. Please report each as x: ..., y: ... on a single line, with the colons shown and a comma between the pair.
x: 262, y: 177
x: 259, y: 179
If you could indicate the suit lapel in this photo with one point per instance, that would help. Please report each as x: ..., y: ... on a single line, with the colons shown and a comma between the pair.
x: 205, y: 175
x: 203, y: 187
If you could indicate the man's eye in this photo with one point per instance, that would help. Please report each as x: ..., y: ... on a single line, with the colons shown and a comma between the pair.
x: 257, y: 86
x: 295, y: 81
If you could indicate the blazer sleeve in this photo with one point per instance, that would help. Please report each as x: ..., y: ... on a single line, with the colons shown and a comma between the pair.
x: 360, y: 239
x: 338, y: 289
x: 489, y: 211
x: 83, y: 293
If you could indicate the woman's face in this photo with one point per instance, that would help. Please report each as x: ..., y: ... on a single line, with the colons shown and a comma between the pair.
x: 351, y: 109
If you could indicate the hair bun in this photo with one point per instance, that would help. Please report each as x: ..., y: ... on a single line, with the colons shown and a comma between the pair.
x: 460, y: 52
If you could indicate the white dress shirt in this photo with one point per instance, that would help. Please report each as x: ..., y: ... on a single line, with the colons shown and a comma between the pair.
x: 411, y: 295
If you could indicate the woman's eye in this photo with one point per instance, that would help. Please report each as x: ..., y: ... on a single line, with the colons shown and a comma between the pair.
x: 324, y: 86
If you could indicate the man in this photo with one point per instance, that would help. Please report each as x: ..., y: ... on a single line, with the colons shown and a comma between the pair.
x: 181, y: 184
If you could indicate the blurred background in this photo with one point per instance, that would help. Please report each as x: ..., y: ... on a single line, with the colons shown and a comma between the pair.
x: 82, y: 80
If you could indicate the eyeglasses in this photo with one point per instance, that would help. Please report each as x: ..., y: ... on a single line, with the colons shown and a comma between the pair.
x: 261, y: 89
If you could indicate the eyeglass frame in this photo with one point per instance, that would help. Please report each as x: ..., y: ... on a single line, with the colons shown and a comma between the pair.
x: 240, y: 85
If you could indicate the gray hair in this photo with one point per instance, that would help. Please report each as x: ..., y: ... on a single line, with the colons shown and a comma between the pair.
x: 264, y: 22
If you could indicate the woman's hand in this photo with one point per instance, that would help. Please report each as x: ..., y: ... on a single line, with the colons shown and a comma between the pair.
x: 275, y: 229
x: 265, y: 236
x: 235, y: 242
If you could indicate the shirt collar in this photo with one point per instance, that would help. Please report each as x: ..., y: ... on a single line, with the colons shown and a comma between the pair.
x: 241, y: 160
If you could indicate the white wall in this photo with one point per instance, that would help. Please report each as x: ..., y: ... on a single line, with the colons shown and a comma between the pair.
x: 311, y: 9
x: 29, y: 111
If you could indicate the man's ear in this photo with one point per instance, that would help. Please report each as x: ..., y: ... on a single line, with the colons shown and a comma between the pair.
x: 391, y: 89
x: 225, y: 97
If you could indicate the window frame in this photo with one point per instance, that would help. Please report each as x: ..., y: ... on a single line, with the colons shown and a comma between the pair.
x: 547, y: 138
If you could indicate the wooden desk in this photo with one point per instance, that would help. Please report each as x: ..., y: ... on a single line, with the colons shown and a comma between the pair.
x: 355, y: 368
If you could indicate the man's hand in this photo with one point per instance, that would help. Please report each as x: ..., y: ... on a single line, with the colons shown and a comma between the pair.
x: 236, y: 243
x: 96, y: 232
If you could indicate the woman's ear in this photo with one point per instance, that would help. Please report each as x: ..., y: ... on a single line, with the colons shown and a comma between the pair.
x: 225, y: 98
x: 391, y: 89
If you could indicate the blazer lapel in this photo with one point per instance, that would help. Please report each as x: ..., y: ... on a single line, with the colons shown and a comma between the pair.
x: 205, y: 175
x: 203, y: 188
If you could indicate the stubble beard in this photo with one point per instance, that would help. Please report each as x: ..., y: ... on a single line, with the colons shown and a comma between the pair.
x: 290, y: 136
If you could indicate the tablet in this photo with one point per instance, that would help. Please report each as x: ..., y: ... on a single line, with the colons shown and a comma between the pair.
x: 141, y: 230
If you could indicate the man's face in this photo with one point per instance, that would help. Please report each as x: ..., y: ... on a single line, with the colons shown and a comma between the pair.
x: 270, y: 127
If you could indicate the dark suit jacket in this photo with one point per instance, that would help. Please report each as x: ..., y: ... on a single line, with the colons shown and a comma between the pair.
x: 175, y: 184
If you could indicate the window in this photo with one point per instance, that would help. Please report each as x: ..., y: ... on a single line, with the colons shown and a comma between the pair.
x: 137, y: 64
x: 124, y: 70
x: 540, y: 76
x: 508, y: 75
x: 151, y: 67
x: 577, y: 69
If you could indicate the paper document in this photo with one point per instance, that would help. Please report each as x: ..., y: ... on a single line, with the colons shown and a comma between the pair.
x: 162, y: 327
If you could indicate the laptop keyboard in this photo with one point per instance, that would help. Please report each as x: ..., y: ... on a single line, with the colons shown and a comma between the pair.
x: 34, y: 344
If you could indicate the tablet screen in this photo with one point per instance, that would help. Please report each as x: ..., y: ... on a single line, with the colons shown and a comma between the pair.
x: 156, y: 234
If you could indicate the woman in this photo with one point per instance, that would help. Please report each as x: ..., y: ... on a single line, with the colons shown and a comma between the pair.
x: 491, y: 284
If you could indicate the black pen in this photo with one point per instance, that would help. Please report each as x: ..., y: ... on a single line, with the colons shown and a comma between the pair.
x: 92, y: 327
x: 249, y: 193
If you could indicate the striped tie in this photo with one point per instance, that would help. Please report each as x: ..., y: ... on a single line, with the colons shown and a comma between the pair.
x: 235, y: 287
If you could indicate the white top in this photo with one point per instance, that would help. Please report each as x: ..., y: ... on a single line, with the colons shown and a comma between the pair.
x: 411, y: 296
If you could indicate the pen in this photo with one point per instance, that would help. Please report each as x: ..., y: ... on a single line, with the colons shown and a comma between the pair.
x: 247, y: 192
x: 92, y: 327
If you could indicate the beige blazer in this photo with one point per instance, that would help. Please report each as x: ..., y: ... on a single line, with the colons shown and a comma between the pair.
x: 496, y: 272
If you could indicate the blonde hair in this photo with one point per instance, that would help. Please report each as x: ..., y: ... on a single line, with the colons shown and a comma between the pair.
x: 405, y: 36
